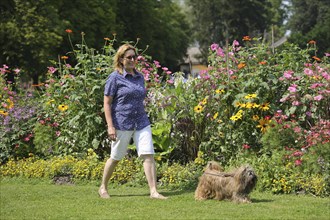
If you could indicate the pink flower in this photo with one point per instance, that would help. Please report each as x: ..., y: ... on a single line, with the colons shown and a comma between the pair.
x: 168, y: 72
x: 293, y: 88
x: 298, y: 162
x: 58, y: 133
x: 220, y: 52
x: 297, y: 154
x: 315, y: 85
x: 51, y: 69
x: 165, y: 68
x: 327, y: 54
x: 308, y: 72
x: 170, y: 81
x: 326, y: 75
x: 26, y: 139
x: 318, y: 98
x: 288, y: 74
x: 235, y: 43
x: 17, y: 70
x: 295, y: 103
x: 214, y: 46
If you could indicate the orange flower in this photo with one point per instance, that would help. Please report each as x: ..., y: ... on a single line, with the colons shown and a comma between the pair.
x: 36, y: 85
x: 241, y: 65
x: 69, y: 31
x: 312, y: 42
x: 262, y: 62
x: 246, y: 38
x: 64, y: 57
x: 316, y: 58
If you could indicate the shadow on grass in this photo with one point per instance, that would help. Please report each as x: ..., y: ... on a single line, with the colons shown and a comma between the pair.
x: 168, y: 193
x: 261, y: 200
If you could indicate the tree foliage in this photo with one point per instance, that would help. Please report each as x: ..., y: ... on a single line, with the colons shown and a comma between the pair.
x: 310, y: 20
x: 34, y: 31
x: 216, y: 21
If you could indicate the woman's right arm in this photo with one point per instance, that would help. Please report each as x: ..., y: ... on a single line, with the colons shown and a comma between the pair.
x: 107, y: 101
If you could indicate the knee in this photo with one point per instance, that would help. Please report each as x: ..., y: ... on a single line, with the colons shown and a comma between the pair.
x: 149, y: 158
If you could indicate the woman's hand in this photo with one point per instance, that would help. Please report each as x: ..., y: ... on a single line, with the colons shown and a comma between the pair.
x: 112, y: 133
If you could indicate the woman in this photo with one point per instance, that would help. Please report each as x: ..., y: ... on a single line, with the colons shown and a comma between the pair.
x: 124, y: 94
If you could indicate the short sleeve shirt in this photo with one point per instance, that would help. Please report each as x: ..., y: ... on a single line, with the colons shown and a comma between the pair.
x: 128, y: 92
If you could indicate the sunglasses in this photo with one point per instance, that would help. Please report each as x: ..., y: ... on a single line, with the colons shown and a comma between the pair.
x: 130, y: 57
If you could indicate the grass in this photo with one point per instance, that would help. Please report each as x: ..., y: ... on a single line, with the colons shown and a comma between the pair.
x: 34, y: 199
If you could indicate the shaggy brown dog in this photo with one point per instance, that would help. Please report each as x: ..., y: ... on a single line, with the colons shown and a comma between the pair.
x: 235, y: 185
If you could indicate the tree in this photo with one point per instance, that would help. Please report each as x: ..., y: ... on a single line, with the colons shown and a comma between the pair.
x: 216, y: 21
x: 310, y: 20
x: 30, y: 31
x: 160, y: 25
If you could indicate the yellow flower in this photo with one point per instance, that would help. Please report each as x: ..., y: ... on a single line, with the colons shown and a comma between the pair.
x: 255, y: 117
x: 255, y: 105
x: 198, y: 109
x: 248, y: 105
x: 264, y: 106
x: 50, y: 101
x: 219, y: 91
x: 215, y: 115
x: 250, y: 96
x: 63, y: 108
x: 4, y: 113
x: 234, y: 118
x: 10, y: 104
x: 204, y: 102
x: 263, y: 124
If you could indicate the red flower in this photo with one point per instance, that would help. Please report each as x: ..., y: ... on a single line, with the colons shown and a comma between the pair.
x: 245, y: 146
x: 69, y: 31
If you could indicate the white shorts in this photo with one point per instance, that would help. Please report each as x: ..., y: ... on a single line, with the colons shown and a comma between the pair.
x: 142, y: 140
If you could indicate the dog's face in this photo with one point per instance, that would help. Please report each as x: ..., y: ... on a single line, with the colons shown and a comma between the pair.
x: 247, y: 176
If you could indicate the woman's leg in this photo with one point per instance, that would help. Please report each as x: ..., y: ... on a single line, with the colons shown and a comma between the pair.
x: 109, y: 167
x: 150, y: 172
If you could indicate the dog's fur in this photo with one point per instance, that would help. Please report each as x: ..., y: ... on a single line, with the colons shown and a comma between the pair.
x: 219, y: 185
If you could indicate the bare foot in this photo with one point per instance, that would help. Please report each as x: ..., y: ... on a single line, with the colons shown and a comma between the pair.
x: 157, y: 196
x: 103, y: 194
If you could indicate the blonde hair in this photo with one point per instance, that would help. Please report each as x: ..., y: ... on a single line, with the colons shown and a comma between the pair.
x: 117, y: 64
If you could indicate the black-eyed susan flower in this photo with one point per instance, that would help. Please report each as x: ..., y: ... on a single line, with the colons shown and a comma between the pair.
x: 50, y: 101
x: 263, y: 124
x: 248, y: 105
x: 219, y: 91
x: 10, y: 104
x: 198, y: 109
x: 234, y: 118
x: 250, y: 96
x: 264, y: 106
x: 255, y: 117
x: 215, y: 116
x: 4, y: 113
x: 63, y: 108
x: 204, y: 102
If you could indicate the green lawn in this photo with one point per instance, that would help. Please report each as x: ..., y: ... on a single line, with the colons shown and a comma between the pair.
x: 40, y: 200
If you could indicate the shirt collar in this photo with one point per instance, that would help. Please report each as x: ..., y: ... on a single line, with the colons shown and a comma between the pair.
x: 136, y: 73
